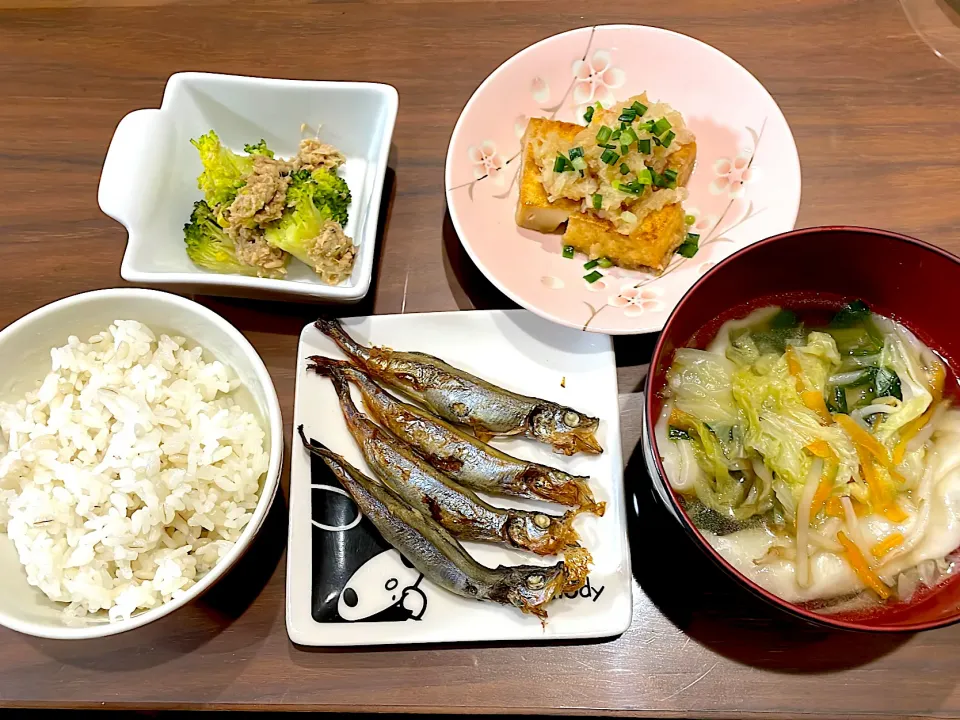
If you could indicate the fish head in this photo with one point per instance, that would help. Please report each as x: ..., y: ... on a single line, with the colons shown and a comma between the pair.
x: 541, y: 533
x: 561, y: 487
x: 568, y: 430
x: 530, y: 588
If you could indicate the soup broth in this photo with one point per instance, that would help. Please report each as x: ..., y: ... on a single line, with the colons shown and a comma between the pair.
x: 819, y: 453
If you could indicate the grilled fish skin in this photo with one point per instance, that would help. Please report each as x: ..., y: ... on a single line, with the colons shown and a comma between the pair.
x: 460, y: 456
x: 457, y: 509
x: 465, y: 399
x: 441, y: 559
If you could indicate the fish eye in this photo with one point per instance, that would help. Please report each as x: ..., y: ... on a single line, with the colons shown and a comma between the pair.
x: 541, y: 521
x: 535, y: 582
x: 571, y: 418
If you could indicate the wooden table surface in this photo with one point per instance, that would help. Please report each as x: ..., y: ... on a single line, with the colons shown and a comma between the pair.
x: 876, y: 117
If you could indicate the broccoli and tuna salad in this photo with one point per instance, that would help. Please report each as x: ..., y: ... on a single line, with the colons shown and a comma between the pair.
x: 259, y: 210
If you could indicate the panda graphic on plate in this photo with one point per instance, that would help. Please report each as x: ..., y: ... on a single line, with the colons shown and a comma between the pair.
x: 384, y: 589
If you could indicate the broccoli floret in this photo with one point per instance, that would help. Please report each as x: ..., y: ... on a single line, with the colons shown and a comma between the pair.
x: 209, y: 246
x: 259, y: 148
x: 223, y: 170
x: 309, y: 206
x: 332, y: 194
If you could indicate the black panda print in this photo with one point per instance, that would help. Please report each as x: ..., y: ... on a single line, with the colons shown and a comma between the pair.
x: 357, y: 576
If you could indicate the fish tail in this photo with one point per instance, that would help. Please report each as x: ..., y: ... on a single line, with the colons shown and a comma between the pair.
x: 333, y: 329
x: 327, y: 366
x: 315, y: 447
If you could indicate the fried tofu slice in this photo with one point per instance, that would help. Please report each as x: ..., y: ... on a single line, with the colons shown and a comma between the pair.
x: 649, y: 247
x: 534, y: 210
x: 683, y: 160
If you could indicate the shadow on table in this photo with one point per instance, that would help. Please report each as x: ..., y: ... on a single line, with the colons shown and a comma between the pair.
x: 709, y: 606
x: 470, y: 287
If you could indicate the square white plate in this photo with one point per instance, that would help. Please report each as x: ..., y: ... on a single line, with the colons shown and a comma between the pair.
x: 149, y: 177
x: 360, y: 600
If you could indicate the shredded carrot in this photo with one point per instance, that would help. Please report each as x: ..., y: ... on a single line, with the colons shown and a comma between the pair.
x: 794, y: 367
x: 813, y: 399
x: 877, y: 495
x: 863, y: 439
x: 886, y: 545
x: 862, y: 568
x: 822, y: 493
x: 910, y: 430
x: 894, y: 513
x: 681, y: 420
x: 834, y: 508
x: 820, y: 448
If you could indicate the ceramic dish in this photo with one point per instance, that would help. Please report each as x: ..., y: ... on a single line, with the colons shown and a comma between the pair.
x: 792, y: 265
x: 746, y: 185
x: 149, y: 177
x: 346, y: 587
x: 25, y: 356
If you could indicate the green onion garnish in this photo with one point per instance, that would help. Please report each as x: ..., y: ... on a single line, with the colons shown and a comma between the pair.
x: 671, y: 177
x: 638, y: 107
x: 661, y: 126
x: 624, y: 149
x: 624, y: 169
x: 590, y: 264
x: 631, y: 188
x: 608, y: 146
x: 650, y: 125
x: 568, y: 251
x: 603, y: 134
x: 593, y: 277
x: 643, y: 146
x: 654, y: 177
x: 657, y: 141
x: 576, y: 152
x: 689, y: 219
x: 616, y: 135
x: 609, y: 157
x: 579, y: 163
x: 627, y: 116
x: 560, y: 164
x: 644, y: 177
x: 668, y: 138
x: 598, y: 107
x: 605, y: 262
x: 628, y: 136
x: 688, y: 248
x: 588, y: 115
x: 597, y: 201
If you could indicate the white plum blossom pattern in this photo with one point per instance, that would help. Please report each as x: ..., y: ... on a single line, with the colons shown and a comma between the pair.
x: 540, y: 90
x: 552, y: 282
x: 732, y: 175
x: 598, y: 285
x: 702, y: 224
x: 519, y: 126
x: 486, y: 161
x: 637, y: 300
x: 595, y: 79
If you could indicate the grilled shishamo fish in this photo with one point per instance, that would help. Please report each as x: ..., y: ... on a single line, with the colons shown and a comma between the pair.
x: 470, y: 462
x: 465, y: 399
x: 442, y: 560
x: 434, y: 494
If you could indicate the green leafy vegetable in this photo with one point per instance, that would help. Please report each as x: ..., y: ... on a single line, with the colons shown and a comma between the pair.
x: 208, y: 245
x: 259, y: 148
x: 851, y: 314
x: 312, y: 199
x: 887, y: 384
x: 223, y: 170
x: 677, y: 434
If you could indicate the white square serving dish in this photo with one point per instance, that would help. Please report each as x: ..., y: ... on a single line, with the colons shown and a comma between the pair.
x: 345, y: 586
x: 149, y: 177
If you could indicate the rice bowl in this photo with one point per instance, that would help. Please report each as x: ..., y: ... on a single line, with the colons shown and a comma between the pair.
x: 132, y: 476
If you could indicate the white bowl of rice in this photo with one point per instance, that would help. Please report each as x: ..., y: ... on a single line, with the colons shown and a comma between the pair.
x: 140, y: 449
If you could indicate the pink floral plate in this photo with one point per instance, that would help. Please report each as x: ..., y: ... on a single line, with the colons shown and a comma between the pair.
x: 745, y: 187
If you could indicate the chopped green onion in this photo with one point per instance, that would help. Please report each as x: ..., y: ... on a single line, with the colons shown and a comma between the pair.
x: 576, y: 152
x: 654, y: 177
x: 568, y: 251
x: 628, y: 115
x: 593, y: 277
x: 644, y: 177
x: 579, y: 163
x: 670, y: 174
x: 624, y: 169
x: 608, y: 146
x: 688, y: 248
x: 560, y: 164
x: 689, y: 219
x: 598, y: 107
x: 657, y: 141
x: 628, y: 136
x: 609, y: 157
x: 624, y: 149
x: 588, y: 115
x: 643, y: 146
x: 629, y: 188
x: 650, y: 125
x: 668, y: 138
x: 661, y: 126
x: 603, y: 134
x: 638, y: 107
x: 590, y: 264
x: 605, y: 262
x: 597, y: 201
x: 616, y: 134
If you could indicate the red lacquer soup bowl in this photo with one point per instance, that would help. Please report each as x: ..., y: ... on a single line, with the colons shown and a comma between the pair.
x: 819, y: 268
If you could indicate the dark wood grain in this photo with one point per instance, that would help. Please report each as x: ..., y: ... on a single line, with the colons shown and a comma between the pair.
x: 875, y: 115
